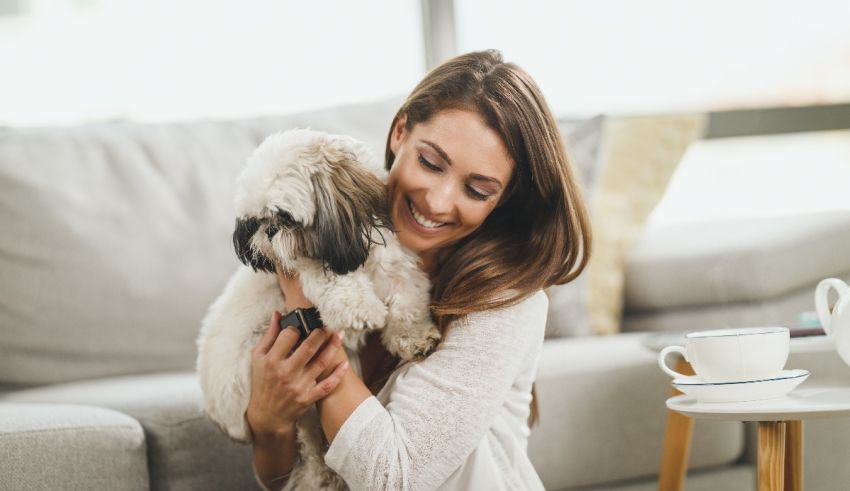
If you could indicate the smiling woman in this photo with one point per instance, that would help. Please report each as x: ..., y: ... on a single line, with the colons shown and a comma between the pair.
x: 479, y: 187
x: 440, y: 187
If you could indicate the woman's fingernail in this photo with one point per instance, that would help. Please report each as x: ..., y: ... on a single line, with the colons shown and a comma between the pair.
x: 340, y: 335
x: 344, y: 365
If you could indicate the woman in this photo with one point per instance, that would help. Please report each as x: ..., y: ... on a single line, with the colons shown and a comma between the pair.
x: 480, y: 188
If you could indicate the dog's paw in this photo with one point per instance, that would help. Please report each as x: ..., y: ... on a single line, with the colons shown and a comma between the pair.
x: 369, y: 313
x: 409, y: 346
x: 366, y: 316
x: 372, y: 314
x: 428, y: 344
x: 366, y: 319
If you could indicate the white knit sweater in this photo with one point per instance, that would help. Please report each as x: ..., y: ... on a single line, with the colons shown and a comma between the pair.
x: 456, y: 420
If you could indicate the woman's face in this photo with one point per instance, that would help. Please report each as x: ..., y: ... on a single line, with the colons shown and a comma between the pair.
x: 449, y: 173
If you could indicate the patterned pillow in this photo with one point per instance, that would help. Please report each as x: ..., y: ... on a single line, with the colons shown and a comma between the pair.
x: 625, y: 165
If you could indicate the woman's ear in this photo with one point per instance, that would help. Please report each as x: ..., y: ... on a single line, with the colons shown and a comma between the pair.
x: 398, y: 133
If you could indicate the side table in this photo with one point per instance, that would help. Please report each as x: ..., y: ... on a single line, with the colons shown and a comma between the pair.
x: 780, y: 426
x: 677, y: 437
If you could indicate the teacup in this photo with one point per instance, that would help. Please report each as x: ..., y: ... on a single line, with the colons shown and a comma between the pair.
x: 733, y: 355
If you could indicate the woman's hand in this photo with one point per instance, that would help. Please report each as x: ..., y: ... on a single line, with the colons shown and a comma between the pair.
x: 285, y: 383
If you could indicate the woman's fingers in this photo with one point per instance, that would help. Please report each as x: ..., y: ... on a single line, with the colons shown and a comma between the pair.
x: 325, y: 359
x: 269, y: 337
x: 304, y: 353
x: 284, y: 343
x: 328, y: 384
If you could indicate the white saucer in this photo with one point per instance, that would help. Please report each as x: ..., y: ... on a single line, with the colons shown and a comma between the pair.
x: 754, y: 390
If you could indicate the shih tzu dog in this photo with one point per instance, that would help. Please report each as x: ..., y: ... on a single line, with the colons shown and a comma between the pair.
x: 312, y: 203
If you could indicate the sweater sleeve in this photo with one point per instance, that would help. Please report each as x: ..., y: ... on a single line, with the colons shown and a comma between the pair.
x: 440, y: 408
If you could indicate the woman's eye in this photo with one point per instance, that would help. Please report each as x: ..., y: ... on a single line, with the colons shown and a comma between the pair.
x: 476, y: 194
x: 428, y: 165
x: 470, y: 190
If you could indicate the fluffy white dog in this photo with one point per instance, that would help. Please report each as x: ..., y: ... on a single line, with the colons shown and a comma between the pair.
x: 314, y: 203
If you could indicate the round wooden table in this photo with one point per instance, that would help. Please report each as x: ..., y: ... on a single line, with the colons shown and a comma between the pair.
x: 780, y: 426
x: 677, y: 435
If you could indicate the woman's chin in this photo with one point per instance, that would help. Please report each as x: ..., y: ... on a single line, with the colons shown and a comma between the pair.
x: 411, y: 241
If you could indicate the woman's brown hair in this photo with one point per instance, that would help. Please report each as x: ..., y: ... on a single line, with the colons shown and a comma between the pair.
x: 539, y: 235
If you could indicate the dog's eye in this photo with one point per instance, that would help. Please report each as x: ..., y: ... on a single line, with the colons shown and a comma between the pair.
x: 270, y: 231
x: 285, y: 219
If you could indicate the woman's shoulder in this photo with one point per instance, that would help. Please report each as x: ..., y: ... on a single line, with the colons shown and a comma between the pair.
x: 529, y: 309
x: 537, y: 300
x: 534, y: 301
x: 518, y: 326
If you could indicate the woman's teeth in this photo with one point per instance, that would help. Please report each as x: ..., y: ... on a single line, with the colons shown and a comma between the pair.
x: 422, y: 220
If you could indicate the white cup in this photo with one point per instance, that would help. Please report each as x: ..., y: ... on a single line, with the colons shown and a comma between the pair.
x: 732, y: 355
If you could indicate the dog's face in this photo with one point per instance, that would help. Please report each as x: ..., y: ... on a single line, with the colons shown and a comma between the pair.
x: 308, y: 194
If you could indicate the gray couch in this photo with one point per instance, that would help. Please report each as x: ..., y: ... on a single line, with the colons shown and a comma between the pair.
x: 116, y: 238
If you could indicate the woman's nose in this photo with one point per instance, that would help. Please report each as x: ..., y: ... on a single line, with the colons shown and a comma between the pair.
x: 440, y: 200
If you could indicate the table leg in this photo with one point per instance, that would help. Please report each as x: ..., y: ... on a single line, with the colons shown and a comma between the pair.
x: 794, y: 456
x: 677, y: 444
x: 771, y: 455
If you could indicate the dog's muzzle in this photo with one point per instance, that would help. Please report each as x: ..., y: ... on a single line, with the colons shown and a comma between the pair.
x: 243, y: 233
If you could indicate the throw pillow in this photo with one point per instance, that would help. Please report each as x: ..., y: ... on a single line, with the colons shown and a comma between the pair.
x: 641, y: 154
x: 623, y: 165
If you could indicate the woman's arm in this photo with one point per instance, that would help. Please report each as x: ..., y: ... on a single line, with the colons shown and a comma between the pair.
x: 335, y: 409
x: 284, y: 385
x: 274, y: 458
x: 337, y: 406
x: 440, y: 409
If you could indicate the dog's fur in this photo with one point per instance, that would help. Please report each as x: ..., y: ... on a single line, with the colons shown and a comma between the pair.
x: 313, y: 203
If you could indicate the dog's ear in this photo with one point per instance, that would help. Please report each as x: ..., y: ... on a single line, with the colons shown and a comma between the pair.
x: 350, y: 205
x: 242, y: 236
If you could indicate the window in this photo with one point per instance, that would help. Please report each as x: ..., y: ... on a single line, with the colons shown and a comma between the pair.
x: 158, y: 60
x: 651, y: 56
x: 622, y: 57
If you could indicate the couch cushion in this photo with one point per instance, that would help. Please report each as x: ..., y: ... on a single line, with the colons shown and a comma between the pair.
x: 641, y: 154
x: 735, y: 261
x: 782, y: 310
x: 54, y: 446
x: 117, y: 237
x: 185, y: 450
x: 597, y: 390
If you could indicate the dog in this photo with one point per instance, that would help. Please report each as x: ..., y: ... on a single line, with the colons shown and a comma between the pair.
x: 312, y: 203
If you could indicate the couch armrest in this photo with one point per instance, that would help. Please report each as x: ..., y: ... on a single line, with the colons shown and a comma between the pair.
x: 64, y: 446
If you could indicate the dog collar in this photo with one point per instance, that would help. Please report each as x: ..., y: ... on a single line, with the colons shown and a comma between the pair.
x: 305, y: 320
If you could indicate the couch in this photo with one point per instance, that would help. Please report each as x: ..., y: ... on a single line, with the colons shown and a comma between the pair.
x: 116, y: 238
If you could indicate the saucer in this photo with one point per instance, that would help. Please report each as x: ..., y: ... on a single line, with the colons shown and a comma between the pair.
x: 753, y: 390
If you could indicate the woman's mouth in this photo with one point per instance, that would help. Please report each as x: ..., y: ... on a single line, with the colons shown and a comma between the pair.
x: 421, y: 220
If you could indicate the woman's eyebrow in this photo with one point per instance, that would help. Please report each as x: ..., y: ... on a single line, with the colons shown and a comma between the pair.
x: 439, y: 150
x: 495, y: 181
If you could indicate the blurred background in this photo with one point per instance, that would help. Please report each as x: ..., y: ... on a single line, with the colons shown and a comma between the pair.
x: 776, y: 74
